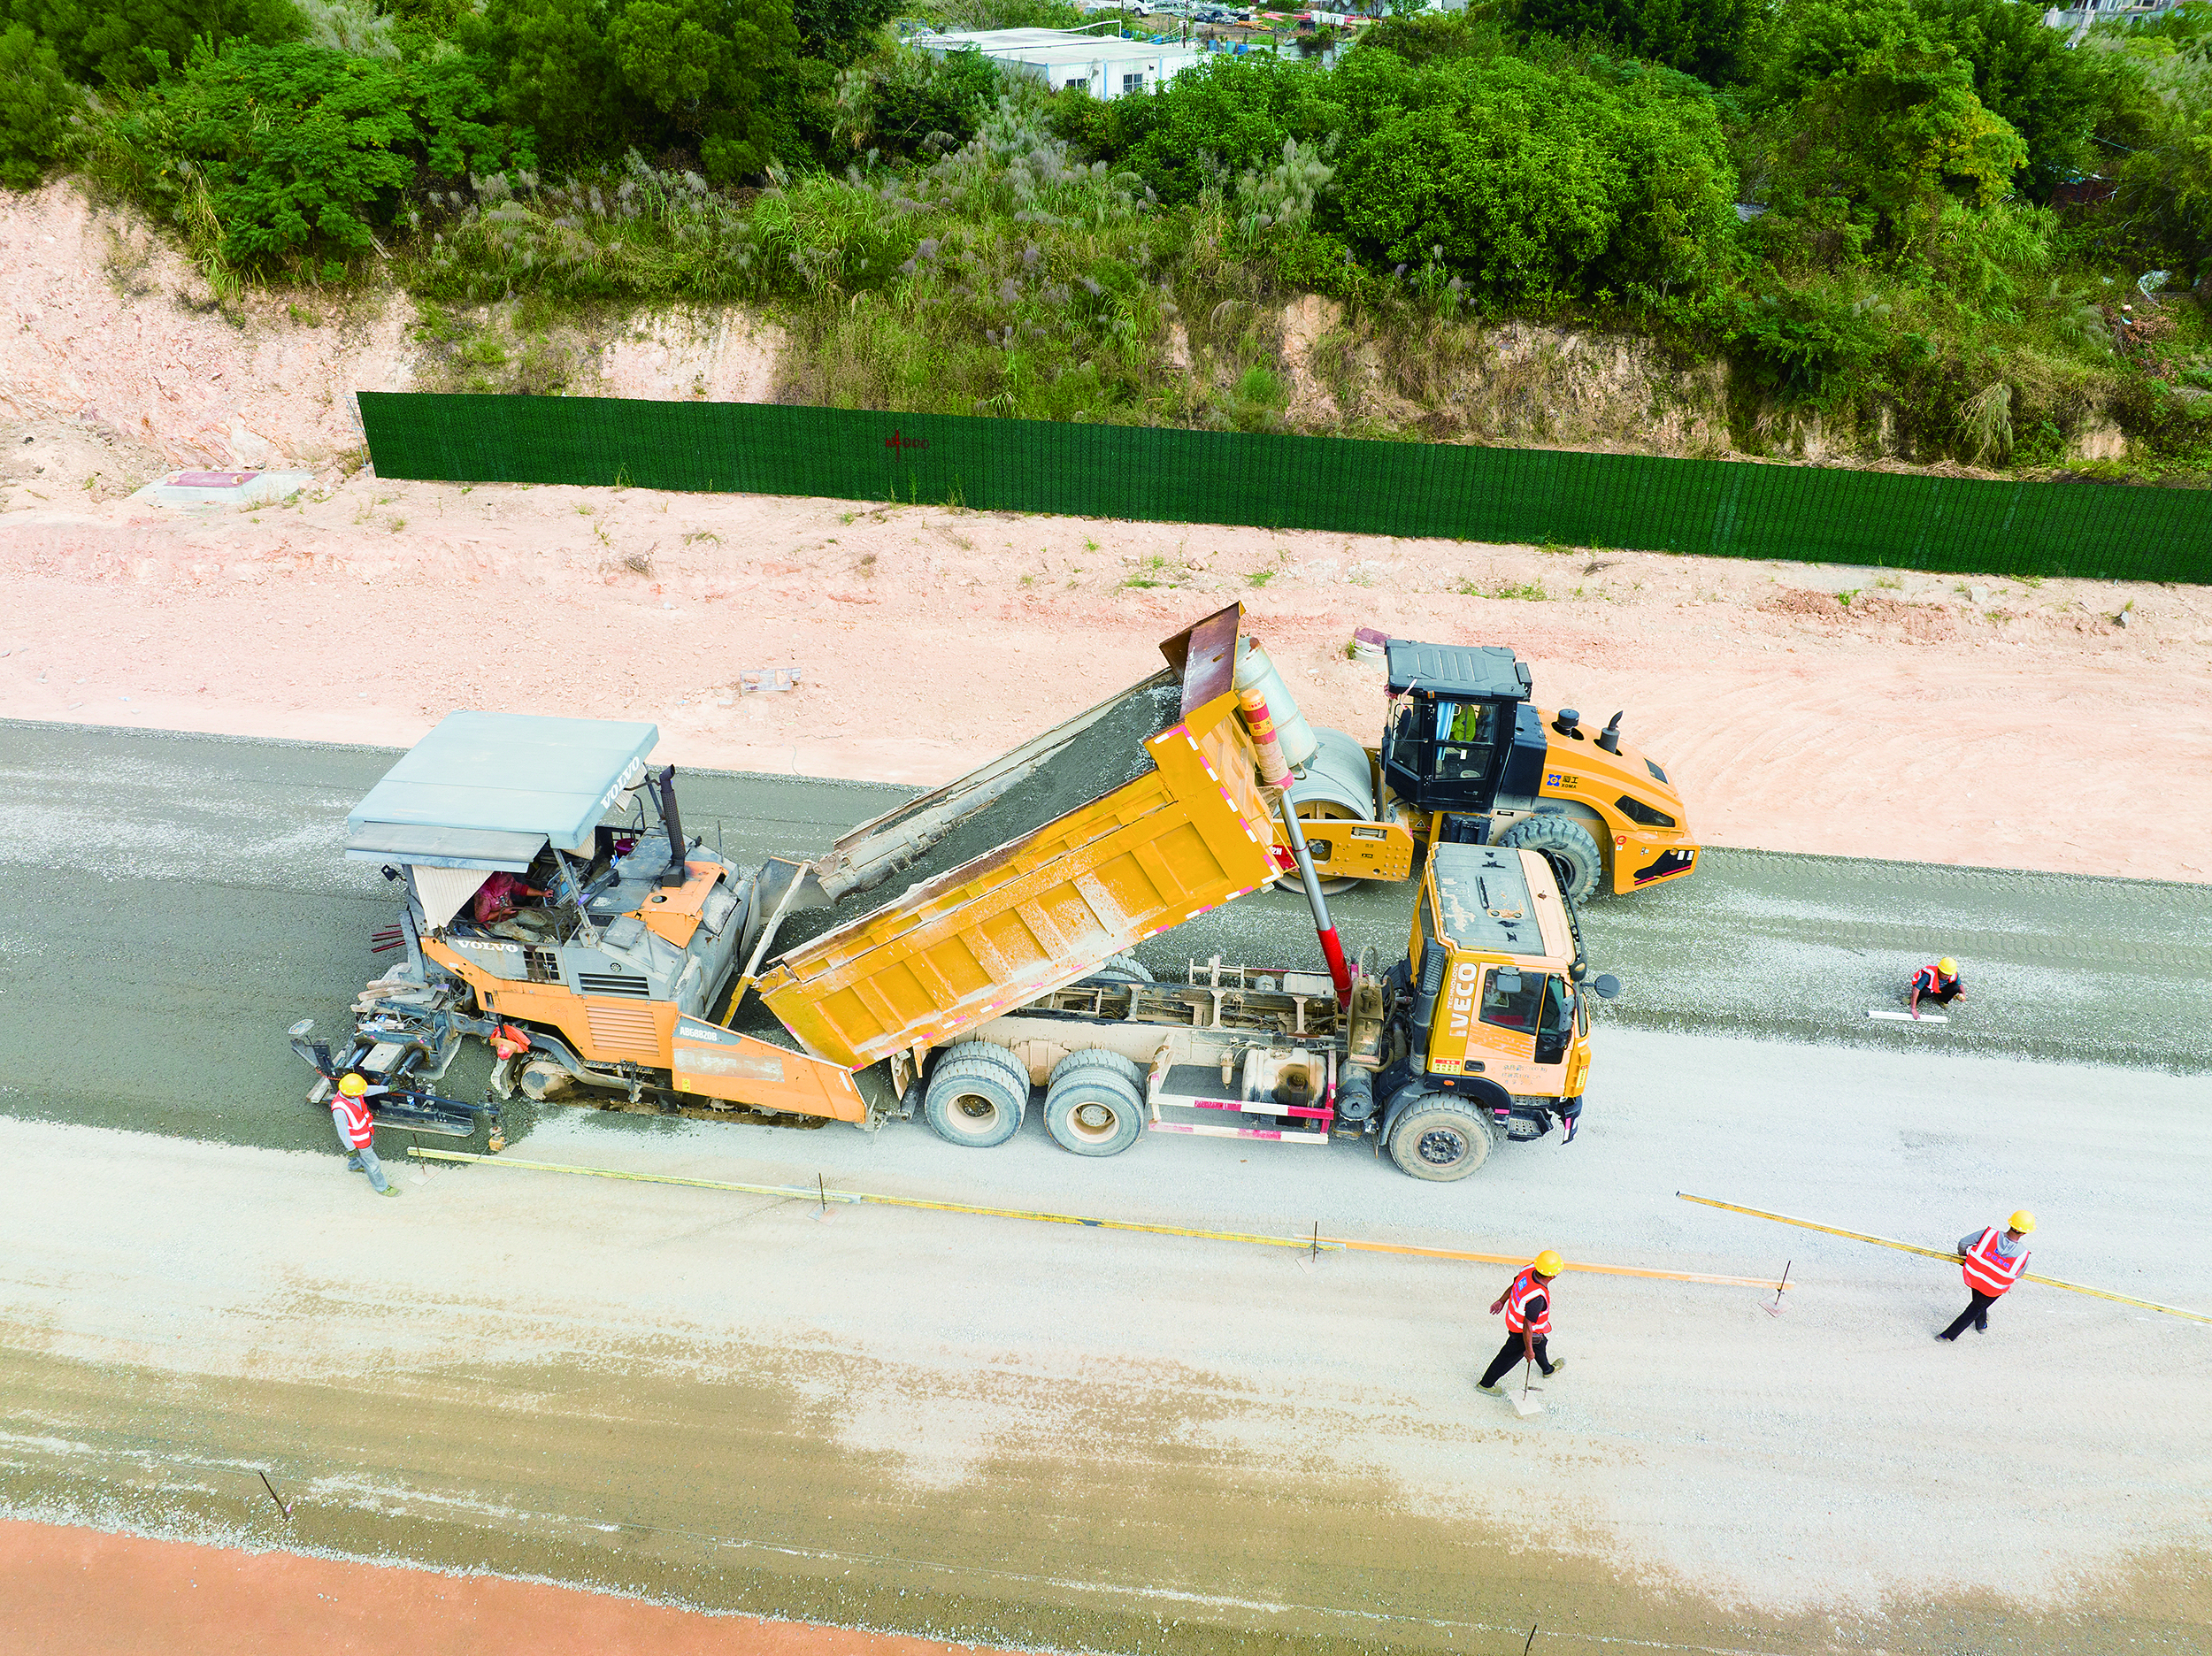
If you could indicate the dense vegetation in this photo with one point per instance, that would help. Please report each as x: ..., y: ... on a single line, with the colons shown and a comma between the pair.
x: 1945, y: 203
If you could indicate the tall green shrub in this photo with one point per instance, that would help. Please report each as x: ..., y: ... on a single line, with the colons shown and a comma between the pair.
x: 129, y: 42
x: 34, y: 101
x: 300, y: 154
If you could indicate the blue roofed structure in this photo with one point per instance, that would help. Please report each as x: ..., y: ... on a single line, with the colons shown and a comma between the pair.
x: 489, y: 790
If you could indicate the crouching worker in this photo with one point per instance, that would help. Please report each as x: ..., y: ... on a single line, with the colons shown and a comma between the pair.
x: 357, y: 1129
x: 1526, y: 1303
x: 1937, y: 985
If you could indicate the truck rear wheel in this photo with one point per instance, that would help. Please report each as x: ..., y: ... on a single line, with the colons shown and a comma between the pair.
x: 1567, y: 846
x: 1440, y: 1139
x: 978, y: 1095
x: 1094, y: 1108
x: 1128, y: 1069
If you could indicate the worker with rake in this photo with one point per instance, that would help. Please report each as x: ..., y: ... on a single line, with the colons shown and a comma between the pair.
x: 1526, y: 1303
x: 1995, y: 1260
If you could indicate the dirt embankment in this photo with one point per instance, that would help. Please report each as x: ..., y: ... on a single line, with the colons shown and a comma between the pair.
x: 1930, y: 718
x: 118, y: 359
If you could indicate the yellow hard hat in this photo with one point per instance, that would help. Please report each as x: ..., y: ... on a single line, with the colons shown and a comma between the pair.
x: 1548, y: 1263
x: 2022, y: 1222
x: 1948, y: 966
x: 353, y: 1086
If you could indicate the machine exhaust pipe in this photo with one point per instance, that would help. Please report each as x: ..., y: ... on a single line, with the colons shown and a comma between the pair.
x: 1609, y: 739
x: 676, y: 873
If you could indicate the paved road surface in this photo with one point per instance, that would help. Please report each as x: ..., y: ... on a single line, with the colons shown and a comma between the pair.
x: 178, y: 900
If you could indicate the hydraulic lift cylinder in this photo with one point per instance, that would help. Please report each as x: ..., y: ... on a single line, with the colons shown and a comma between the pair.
x: 1324, y: 928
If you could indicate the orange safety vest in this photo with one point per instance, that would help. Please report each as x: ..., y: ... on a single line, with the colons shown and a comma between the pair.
x: 1525, y: 1288
x: 1988, y: 1272
x: 354, y: 1119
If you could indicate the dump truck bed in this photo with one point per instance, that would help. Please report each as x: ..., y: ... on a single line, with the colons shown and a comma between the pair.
x: 1031, y: 871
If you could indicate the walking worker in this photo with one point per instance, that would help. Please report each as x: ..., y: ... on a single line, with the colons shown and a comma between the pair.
x: 357, y: 1129
x: 1939, y: 983
x: 1995, y: 1261
x: 1526, y: 1303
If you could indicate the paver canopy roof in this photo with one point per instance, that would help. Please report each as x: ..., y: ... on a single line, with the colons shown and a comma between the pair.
x: 487, y: 790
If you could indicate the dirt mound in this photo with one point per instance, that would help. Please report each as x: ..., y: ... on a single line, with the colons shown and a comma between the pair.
x: 1804, y: 602
x: 1921, y: 623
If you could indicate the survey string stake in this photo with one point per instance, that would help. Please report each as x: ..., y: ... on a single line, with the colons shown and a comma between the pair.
x: 282, y: 1506
x: 1776, y: 1308
x: 1949, y: 1257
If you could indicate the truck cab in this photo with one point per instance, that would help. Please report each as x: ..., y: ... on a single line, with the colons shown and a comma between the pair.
x: 1467, y: 759
x: 1490, y: 1033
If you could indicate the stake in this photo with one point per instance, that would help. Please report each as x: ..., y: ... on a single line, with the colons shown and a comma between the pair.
x: 1531, y: 1640
x: 1776, y: 1308
x: 281, y: 1506
x: 1315, y: 1252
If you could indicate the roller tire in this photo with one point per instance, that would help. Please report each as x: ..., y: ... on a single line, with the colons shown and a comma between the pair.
x: 1094, y: 1109
x: 1440, y: 1139
x: 1121, y: 968
x: 1567, y: 846
x: 978, y: 1095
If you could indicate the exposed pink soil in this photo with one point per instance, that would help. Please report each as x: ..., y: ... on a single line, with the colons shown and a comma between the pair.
x: 2018, y: 726
x: 66, y: 1591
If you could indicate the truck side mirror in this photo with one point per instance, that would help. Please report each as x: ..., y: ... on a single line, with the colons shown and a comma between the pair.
x: 1607, y: 986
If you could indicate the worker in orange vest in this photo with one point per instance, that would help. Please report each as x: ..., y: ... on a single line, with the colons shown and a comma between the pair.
x: 1526, y: 1303
x: 1939, y: 984
x: 1995, y: 1260
x: 357, y: 1129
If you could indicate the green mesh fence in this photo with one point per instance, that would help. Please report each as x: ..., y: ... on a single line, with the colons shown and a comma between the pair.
x: 1718, y: 508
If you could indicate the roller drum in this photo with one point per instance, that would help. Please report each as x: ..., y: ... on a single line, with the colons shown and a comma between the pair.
x: 1338, y: 783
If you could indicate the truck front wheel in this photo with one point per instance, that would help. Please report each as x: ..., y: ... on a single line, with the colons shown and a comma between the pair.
x: 1440, y: 1139
x: 976, y: 1096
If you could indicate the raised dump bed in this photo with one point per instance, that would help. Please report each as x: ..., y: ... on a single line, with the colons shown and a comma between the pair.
x: 1031, y: 871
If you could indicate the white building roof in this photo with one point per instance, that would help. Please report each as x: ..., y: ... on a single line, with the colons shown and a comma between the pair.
x: 1052, y: 46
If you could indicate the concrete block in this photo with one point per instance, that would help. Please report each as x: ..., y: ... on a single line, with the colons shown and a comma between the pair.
x: 223, y: 488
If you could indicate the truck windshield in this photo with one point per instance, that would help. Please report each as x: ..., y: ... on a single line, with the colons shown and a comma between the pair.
x: 1466, y: 740
x: 1511, y: 999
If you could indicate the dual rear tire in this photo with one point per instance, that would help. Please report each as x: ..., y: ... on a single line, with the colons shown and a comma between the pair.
x: 979, y: 1094
x: 1094, y: 1105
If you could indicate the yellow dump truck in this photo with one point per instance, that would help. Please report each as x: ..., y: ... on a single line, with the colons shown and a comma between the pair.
x: 554, y: 907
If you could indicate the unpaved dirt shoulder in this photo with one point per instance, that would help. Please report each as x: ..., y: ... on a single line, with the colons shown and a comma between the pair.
x: 1927, y: 718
